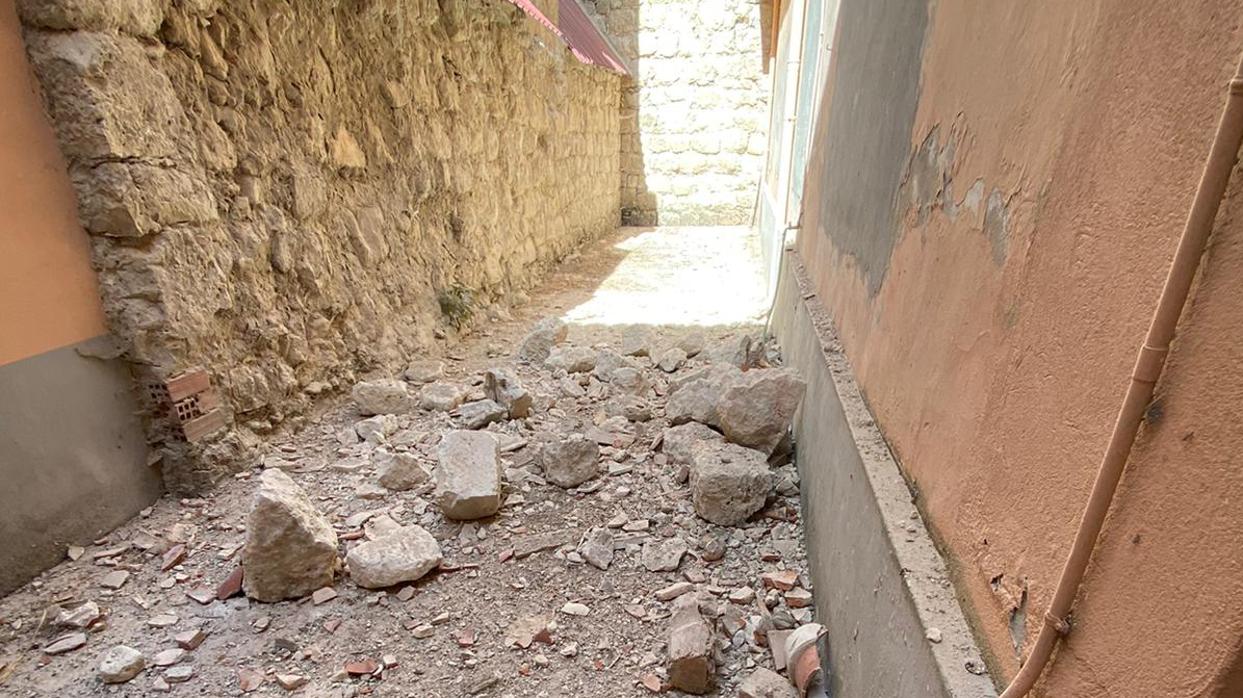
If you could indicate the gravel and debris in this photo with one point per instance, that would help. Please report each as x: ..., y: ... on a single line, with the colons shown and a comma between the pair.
x: 513, y: 518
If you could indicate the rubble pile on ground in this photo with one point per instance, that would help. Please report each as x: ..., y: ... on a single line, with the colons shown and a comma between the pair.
x: 615, y: 516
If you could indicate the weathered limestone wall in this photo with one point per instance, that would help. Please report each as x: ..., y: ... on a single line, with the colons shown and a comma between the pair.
x: 285, y: 193
x: 695, y: 113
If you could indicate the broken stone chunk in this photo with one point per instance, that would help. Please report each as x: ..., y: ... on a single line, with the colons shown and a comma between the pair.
x: 664, y: 556
x: 385, y: 396
x: 538, y: 344
x: 673, y: 591
x: 443, y: 397
x: 481, y: 413
x: 190, y: 639
x: 376, y: 429
x: 633, y: 408
x: 757, y: 409
x: 179, y: 674
x: 764, y: 683
x: 114, y: 579
x: 427, y: 371
x: 630, y: 380
x: 571, y: 461
x: 691, y: 667
x: 679, y: 441
x: 400, y: 471
x: 502, y: 387
x: 671, y: 359
x: 729, y: 483
x: 571, y: 359
x: 637, y: 341
x: 81, y: 617
x: 404, y: 555
x: 120, y: 664
x: 468, y: 479
x: 692, y: 343
x: 291, y: 549
x: 597, y: 548
x: 697, y: 397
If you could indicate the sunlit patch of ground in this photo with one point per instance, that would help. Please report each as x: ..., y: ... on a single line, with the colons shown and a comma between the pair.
x: 692, y: 276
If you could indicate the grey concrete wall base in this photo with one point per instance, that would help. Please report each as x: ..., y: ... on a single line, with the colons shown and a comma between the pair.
x: 882, y: 588
x: 73, y: 460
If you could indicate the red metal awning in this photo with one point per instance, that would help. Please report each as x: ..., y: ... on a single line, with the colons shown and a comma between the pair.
x: 580, y: 34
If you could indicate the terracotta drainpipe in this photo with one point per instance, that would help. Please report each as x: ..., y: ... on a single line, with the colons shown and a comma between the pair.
x: 1213, y: 181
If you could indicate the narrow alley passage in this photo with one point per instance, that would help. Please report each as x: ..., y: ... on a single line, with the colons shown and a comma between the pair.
x: 569, y: 589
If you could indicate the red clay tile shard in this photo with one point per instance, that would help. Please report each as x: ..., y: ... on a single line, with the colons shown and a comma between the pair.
x: 173, y: 557
x: 231, y: 586
x: 464, y: 637
x: 202, y: 594
x: 362, y: 667
x: 784, y: 580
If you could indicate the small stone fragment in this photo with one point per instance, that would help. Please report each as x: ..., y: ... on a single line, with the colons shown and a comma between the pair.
x: 190, y: 639
x: 290, y: 682
x: 673, y: 591
x: 323, y: 595
x: 249, y: 680
x: 168, y: 657
x: 385, y: 396
x: 373, y: 430
x: 571, y: 359
x: 441, y: 396
x: 501, y: 386
x: 663, y: 556
x: 65, y: 643
x: 114, y: 579
x: 597, y: 548
x: 401, y: 471
x: 573, y: 608
x: 481, y: 413
x: 798, y: 598
x: 80, y: 617
x: 468, y: 479
x: 291, y: 549
x: 525, y: 631
x: 179, y: 674
x: 404, y: 555
x: 671, y: 359
x: 120, y: 664
x: 571, y: 461
x: 637, y: 341
x: 933, y: 635
x: 425, y: 371
x: 538, y: 343
x: 765, y: 683
x: 691, y: 666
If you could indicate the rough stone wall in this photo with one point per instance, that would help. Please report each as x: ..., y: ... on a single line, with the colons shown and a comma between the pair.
x: 694, y: 116
x: 286, y: 193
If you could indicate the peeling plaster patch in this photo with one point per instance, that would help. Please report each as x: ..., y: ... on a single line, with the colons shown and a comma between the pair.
x: 996, y: 220
x: 929, y: 185
x: 1018, y: 622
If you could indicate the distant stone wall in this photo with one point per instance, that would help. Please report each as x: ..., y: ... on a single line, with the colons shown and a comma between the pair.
x: 695, y: 114
x: 286, y: 193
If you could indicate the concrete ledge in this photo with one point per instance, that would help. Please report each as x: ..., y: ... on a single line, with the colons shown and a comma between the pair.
x: 72, y: 457
x: 880, y: 583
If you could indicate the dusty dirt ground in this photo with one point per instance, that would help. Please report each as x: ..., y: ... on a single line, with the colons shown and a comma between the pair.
x: 446, y: 634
